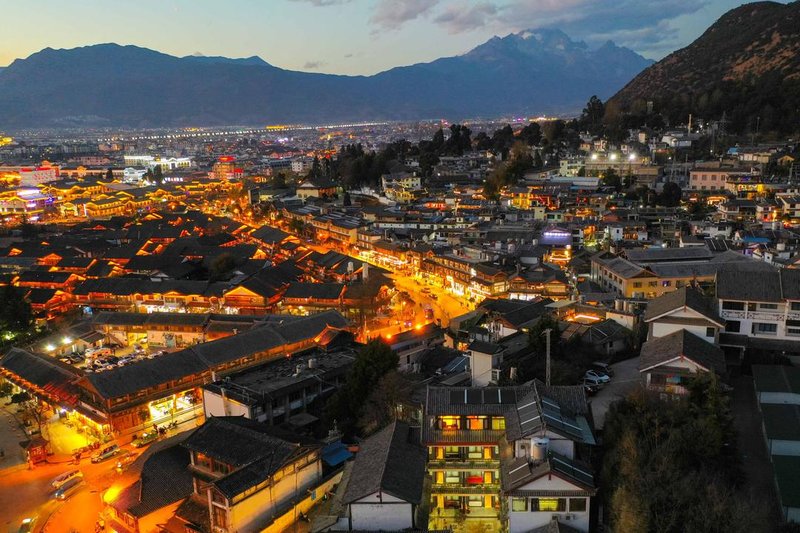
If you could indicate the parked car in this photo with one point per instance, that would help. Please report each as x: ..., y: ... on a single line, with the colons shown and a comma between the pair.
x: 145, y: 439
x: 68, y: 488
x: 69, y: 475
x: 593, y: 382
x: 105, y: 453
x: 590, y: 386
x: 602, y: 378
x: 603, y: 368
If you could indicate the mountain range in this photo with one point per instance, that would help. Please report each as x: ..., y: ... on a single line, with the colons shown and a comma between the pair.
x: 526, y: 73
x: 745, y: 67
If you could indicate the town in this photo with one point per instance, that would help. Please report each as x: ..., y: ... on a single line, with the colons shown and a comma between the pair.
x: 247, y: 331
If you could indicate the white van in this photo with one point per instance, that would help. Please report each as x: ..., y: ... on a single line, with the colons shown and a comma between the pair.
x: 68, y: 488
x: 67, y: 476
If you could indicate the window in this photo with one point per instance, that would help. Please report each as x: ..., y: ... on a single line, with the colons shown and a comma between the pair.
x: 733, y: 326
x: 449, y: 422
x: 498, y: 422
x: 710, y: 332
x: 793, y: 328
x: 733, y: 306
x: 548, y: 504
x: 666, y: 283
x: 202, y: 461
x: 652, y: 284
x: 795, y: 306
x: 763, y: 328
x: 577, y: 505
x: 768, y: 306
x: 476, y: 423
x: 637, y: 285
x: 519, y: 504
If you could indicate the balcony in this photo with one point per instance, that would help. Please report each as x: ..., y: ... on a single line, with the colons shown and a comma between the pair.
x: 465, y: 489
x: 462, y: 463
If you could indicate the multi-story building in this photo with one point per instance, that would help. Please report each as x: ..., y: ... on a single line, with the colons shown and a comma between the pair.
x: 249, y: 477
x: 508, y: 454
x: 763, y: 306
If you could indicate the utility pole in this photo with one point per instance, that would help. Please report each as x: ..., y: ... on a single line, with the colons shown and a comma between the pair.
x: 547, y: 367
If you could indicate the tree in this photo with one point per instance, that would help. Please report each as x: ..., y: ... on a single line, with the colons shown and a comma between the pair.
x: 672, y: 466
x: 611, y: 179
x: 379, y: 409
x: 671, y: 195
x: 221, y: 265
x: 372, y: 363
x: 592, y: 115
x: 279, y: 181
x: 109, y: 175
x: 158, y: 175
x: 15, y: 310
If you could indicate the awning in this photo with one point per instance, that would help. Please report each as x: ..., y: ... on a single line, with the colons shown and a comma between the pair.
x: 335, y: 454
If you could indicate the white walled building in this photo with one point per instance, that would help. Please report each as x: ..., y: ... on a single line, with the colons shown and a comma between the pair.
x: 386, y: 483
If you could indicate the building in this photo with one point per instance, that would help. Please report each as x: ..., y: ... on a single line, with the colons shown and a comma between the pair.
x: 385, y: 490
x: 685, y: 308
x: 760, y: 310
x: 151, y: 490
x: 282, y: 391
x: 778, y: 393
x: 668, y: 363
x: 479, y: 437
x: 249, y: 477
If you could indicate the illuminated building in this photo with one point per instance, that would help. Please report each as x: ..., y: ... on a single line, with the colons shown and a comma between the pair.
x: 508, y: 453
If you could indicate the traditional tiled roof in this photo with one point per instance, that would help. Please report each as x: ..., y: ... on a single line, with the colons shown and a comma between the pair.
x: 388, y: 462
x: 684, y: 297
x: 681, y: 344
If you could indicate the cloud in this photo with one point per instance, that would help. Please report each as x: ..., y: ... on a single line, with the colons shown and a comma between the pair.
x: 323, y: 3
x: 314, y: 65
x: 393, y: 14
x: 461, y: 16
x: 645, y: 25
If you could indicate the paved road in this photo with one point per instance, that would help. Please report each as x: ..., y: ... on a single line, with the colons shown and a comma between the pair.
x: 626, y: 379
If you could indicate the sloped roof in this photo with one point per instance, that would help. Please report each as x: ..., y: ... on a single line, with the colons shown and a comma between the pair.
x: 388, y: 462
x: 681, y: 343
x: 776, y: 378
x: 256, y: 450
x: 683, y: 297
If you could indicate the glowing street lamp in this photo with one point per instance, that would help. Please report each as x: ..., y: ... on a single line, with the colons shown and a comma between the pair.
x: 613, y: 157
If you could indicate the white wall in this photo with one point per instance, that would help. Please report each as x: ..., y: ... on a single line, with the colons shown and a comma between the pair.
x: 257, y: 507
x: 214, y: 405
x: 369, y: 514
x: 524, y: 521
x: 662, y: 329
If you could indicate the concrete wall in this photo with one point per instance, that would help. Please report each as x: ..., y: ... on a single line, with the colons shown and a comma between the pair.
x: 381, y: 512
x: 214, y: 405
x: 257, y: 507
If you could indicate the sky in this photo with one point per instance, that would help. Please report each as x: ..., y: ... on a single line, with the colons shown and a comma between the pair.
x: 345, y: 36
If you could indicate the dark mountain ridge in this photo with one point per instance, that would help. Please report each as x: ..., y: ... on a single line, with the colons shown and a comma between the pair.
x: 746, y: 65
x: 525, y: 73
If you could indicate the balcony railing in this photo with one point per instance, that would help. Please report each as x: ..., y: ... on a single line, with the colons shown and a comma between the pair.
x: 465, y: 488
x: 458, y: 463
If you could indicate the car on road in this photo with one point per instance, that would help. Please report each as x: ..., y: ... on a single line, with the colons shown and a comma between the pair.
x: 145, y: 439
x: 105, y: 453
x: 66, y: 477
x: 590, y: 386
x: 592, y: 382
x: 602, y: 368
x: 27, y: 525
x: 602, y: 378
x: 68, y: 489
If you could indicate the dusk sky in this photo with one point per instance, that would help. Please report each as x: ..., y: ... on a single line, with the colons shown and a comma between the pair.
x: 345, y: 36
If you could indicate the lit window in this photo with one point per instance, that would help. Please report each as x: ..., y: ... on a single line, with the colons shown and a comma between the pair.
x: 450, y: 422
x: 549, y: 504
x: 519, y: 504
